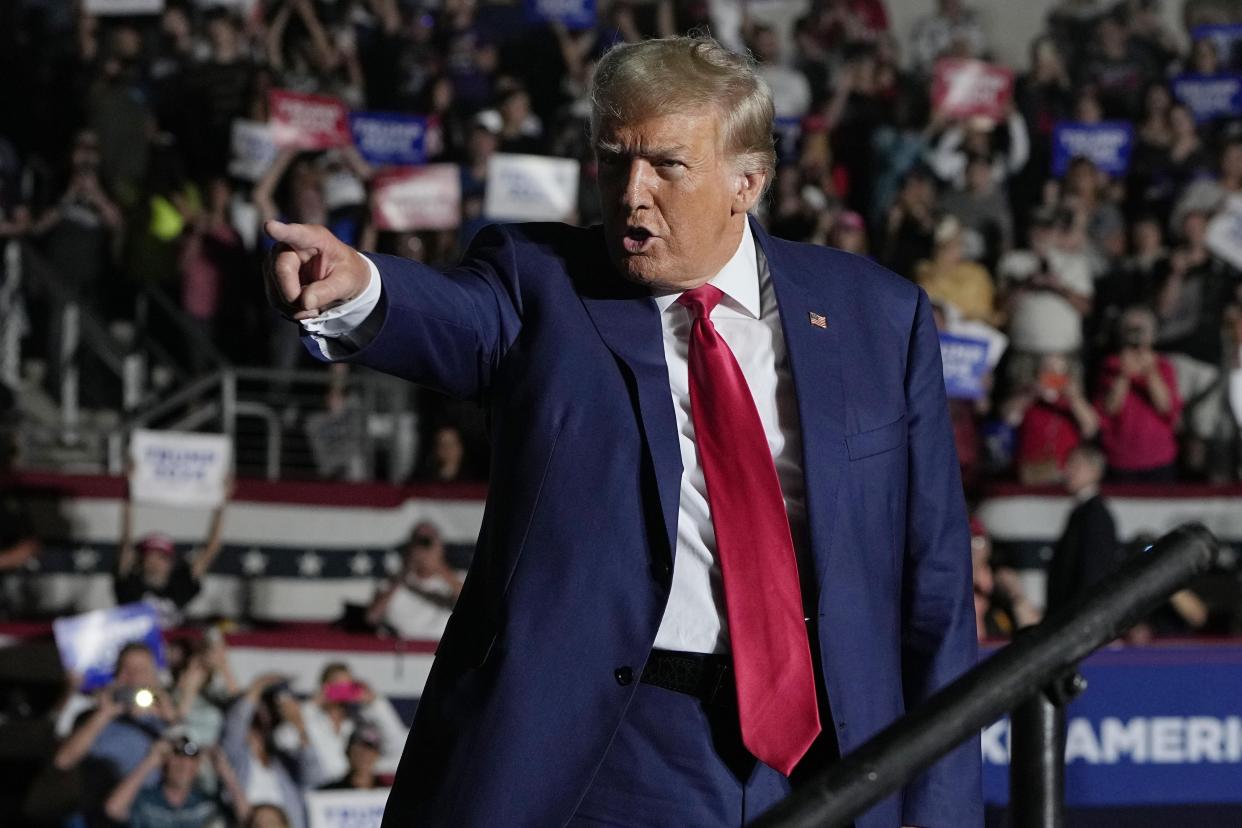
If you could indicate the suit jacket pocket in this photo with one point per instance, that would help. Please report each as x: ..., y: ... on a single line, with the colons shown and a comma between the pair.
x: 877, y: 440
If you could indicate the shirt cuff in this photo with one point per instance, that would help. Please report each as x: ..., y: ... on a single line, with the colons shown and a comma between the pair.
x: 350, y: 326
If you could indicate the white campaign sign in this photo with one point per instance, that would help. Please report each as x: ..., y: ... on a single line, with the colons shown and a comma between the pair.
x: 254, y: 149
x: 123, y: 6
x: 346, y: 809
x: 531, y: 188
x: 179, y: 468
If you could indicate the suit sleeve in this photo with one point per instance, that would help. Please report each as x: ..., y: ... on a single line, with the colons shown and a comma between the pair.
x: 939, y: 641
x: 446, y: 330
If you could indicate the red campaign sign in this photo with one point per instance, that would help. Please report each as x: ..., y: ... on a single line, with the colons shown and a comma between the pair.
x: 964, y: 88
x: 309, y: 122
x: 417, y: 198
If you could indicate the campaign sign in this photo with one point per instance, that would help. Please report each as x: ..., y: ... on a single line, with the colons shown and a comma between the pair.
x: 389, y: 139
x: 118, y: 7
x: 1105, y: 144
x: 965, y: 362
x: 179, y: 468
x: 572, y: 14
x: 253, y: 149
x: 417, y: 198
x: 966, y: 88
x: 1210, y: 97
x: 345, y: 809
x: 88, y: 643
x: 530, y: 188
x: 1224, y: 237
x: 1228, y: 40
x: 1156, y: 725
x: 788, y: 131
x: 308, y: 122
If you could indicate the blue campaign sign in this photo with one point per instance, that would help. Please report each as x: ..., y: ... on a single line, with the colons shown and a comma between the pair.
x: 965, y: 362
x: 1219, y: 96
x: 788, y: 131
x: 573, y: 14
x: 1228, y: 40
x: 1106, y: 144
x: 89, y: 643
x: 389, y: 139
x: 1159, y: 725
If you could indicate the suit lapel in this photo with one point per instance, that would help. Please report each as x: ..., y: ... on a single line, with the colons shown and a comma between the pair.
x: 629, y: 323
x: 814, y: 355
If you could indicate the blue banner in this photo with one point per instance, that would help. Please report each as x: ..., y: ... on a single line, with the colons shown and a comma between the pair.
x: 788, y: 131
x: 573, y: 14
x: 1156, y: 725
x: 89, y: 643
x: 965, y: 362
x: 389, y: 140
x: 1228, y: 40
x: 1106, y: 144
x: 1209, y: 98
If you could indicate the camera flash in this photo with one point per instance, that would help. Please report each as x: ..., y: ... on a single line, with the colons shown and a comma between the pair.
x: 144, y: 698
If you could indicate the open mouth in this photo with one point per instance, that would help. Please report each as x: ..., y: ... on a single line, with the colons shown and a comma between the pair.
x: 637, y: 239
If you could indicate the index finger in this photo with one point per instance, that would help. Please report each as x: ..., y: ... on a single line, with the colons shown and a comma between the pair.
x: 299, y: 237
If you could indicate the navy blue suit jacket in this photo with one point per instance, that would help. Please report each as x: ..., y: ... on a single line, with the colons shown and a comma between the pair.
x: 572, y: 569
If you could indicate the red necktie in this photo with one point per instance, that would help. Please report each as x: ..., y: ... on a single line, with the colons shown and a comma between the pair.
x: 763, y: 600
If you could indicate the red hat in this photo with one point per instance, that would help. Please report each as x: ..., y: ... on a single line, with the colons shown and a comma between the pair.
x: 157, y: 542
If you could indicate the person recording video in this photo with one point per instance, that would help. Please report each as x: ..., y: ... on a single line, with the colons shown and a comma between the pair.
x: 268, y: 772
x: 341, y: 707
x: 1139, y: 405
x: 113, y: 732
x: 179, y: 800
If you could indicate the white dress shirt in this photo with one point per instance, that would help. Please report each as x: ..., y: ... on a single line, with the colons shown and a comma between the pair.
x: 748, y: 320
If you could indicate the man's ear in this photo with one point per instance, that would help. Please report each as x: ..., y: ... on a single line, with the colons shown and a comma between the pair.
x: 749, y: 188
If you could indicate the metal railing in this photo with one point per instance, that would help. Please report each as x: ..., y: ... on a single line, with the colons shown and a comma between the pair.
x: 1033, y: 665
x: 282, y: 421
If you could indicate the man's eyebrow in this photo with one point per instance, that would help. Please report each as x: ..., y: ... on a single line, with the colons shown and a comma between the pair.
x: 613, y: 148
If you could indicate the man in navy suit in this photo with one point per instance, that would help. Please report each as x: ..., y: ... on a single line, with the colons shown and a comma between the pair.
x: 725, y: 538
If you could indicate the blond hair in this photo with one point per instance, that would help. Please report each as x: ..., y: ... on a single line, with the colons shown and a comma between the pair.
x: 635, y: 81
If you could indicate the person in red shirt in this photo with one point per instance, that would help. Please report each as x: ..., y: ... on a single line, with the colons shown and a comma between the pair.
x: 1052, y: 416
x: 1139, y: 405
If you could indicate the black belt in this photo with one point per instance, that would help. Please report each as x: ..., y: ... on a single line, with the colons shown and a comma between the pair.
x: 708, y: 678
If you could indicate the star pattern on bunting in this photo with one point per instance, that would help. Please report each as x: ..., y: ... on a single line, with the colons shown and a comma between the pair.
x: 85, y: 559
x: 310, y: 564
x: 361, y: 564
x: 254, y: 562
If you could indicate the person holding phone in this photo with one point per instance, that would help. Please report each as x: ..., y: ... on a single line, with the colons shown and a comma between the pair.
x: 179, y: 800
x: 106, y: 737
x: 271, y: 773
x: 417, y: 601
x: 341, y: 707
x: 1139, y: 405
x: 1052, y: 416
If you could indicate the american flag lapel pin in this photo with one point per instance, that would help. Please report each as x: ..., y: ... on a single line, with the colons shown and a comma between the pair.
x: 818, y: 320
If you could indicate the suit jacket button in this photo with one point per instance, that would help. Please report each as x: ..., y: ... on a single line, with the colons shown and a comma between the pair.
x: 623, y: 675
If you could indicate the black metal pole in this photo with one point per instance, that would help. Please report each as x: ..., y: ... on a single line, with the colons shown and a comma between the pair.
x: 981, y: 696
x: 1037, y: 764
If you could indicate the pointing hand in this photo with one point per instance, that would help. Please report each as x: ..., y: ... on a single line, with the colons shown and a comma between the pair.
x: 311, y: 270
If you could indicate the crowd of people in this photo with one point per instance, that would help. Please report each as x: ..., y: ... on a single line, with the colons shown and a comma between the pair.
x: 190, y: 746
x: 1121, y: 317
